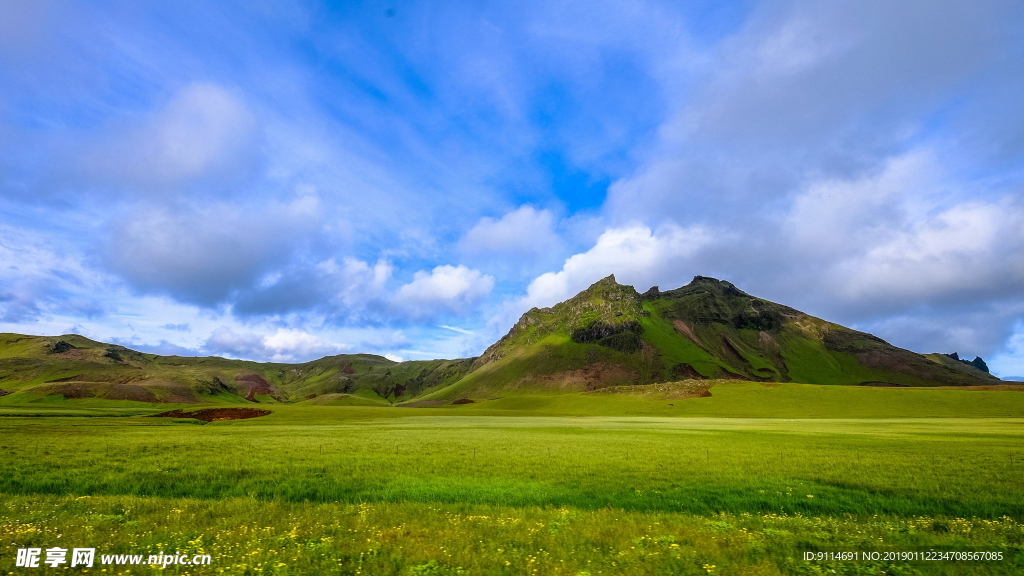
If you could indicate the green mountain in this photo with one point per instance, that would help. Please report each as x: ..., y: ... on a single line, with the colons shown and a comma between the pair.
x: 607, y: 335
x: 610, y: 335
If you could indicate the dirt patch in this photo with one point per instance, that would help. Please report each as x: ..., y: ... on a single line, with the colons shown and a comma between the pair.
x: 685, y: 330
x: 590, y: 377
x: 176, y: 393
x: 423, y: 403
x: 464, y: 401
x: 880, y: 384
x: 5, y: 392
x: 666, y: 390
x: 886, y: 360
x: 215, y: 414
x: 130, y: 392
x: 767, y: 340
x: 74, y: 354
x: 253, y: 384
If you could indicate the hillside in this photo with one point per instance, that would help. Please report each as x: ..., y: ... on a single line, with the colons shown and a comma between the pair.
x: 607, y: 335
x: 610, y: 335
x: 40, y: 368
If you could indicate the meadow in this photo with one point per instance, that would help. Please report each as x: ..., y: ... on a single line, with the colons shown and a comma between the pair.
x: 607, y: 484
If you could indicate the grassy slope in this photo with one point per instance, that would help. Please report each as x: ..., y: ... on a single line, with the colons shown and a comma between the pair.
x: 735, y: 399
x: 765, y: 341
x: 729, y: 399
x: 30, y: 368
x: 607, y: 335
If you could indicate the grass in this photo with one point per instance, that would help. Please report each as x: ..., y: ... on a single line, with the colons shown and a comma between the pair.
x: 734, y: 399
x: 507, y: 488
x: 248, y: 536
x: 573, y: 484
x: 949, y: 466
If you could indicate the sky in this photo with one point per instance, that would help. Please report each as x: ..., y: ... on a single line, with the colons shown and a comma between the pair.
x: 286, y: 180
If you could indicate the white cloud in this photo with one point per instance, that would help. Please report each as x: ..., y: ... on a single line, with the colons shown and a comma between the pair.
x: 350, y: 291
x: 973, y: 247
x: 459, y: 330
x: 200, y: 254
x: 284, y: 345
x: 394, y: 358
x: 359, y: 282
x: 453, y: 289
x: 836, y: 216
x: 894, y: 239
x: 635, y: 254
x: 522, y: 233
x: 203, y: 130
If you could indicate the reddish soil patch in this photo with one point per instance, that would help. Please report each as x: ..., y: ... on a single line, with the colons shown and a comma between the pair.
x: 767, y: 340
x: 667, y: 390
x: 130, y: 392
x: 253, y: 384
x: 423, y: 403
x: 177, y: 393
x: 590, y: 377
x: 215, y: 414
x: 685, y: 330
x: 886, y: 360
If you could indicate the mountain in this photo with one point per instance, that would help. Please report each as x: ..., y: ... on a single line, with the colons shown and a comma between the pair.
x: 607, y: 335
x: 610, y: 334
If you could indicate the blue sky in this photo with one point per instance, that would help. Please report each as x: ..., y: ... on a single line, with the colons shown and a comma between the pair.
x: 281, y: 180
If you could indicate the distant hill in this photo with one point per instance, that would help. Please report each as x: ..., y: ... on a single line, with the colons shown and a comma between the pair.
x: 607, y: 335
x: 41, y: 368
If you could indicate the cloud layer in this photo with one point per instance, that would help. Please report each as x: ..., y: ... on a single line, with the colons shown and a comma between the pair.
x: 281, y: 182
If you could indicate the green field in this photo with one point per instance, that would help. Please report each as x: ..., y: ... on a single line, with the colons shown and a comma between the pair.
x: 566, y: 485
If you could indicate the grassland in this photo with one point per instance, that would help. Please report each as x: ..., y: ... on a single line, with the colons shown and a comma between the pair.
x: 583, y: 483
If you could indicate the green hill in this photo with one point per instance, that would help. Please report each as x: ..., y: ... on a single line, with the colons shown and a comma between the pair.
x: 607, y: 335
x: 43, y: 369
x: 611, y: 335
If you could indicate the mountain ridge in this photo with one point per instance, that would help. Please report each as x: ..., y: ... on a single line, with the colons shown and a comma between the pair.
x: 607, y: 335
